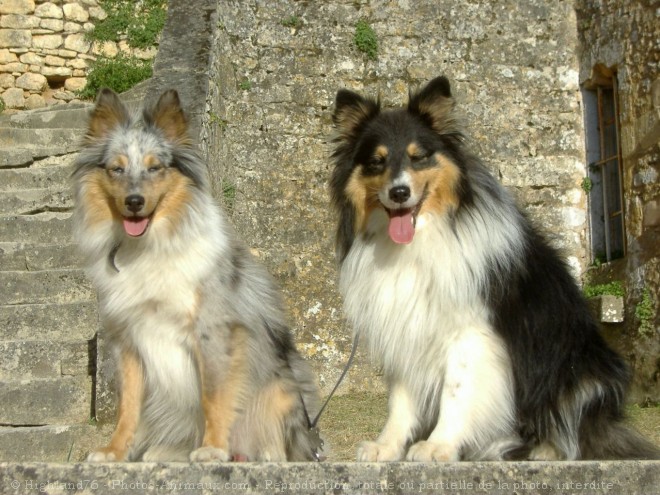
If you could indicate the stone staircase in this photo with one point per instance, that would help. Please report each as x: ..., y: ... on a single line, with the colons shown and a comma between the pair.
x: 48, y: 315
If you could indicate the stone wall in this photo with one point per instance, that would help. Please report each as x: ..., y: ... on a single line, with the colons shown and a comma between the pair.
x: 514, y: 72
x: 44, y: 52
x: 623, y: 35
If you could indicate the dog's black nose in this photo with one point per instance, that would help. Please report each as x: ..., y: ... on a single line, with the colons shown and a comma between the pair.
x: 400, y: 194
x: 134, y: 202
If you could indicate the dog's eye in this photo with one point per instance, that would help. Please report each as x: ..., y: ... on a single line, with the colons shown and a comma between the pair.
x: 116, y: 170
x: 155, y: 168
x: 375, y: 164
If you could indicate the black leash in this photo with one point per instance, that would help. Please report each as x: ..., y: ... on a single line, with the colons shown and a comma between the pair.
x: 313, y: 432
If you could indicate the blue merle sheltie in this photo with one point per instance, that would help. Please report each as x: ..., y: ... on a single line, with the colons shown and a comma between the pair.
x: 486, y: 343
x: 206, y: 366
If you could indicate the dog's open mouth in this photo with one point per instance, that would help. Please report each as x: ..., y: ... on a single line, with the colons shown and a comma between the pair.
x: 136, y: 226
x: 402, y: 224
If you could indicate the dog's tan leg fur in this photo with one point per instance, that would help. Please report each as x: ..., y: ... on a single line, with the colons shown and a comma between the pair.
x: 220, y: 402
x: 273, y: 405
x: 130, y: 404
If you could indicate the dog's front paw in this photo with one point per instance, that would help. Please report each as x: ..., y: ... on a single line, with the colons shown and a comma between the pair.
x: 104, y: 455
x: 377, y: 452
x: 209, y: 454
x: 432, y: 452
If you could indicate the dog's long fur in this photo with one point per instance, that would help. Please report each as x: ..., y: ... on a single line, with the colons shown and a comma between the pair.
x: 207, y: 366
x: 484, y: 338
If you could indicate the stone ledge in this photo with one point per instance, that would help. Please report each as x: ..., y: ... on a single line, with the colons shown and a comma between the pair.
x: 589, y: 477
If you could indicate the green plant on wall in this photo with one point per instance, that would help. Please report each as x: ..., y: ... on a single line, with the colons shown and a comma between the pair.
x: 292, y: 22
x: 614, y: 288
x: 2, y: 105
x: 587, y: 185
x: 119, y: 74
x: 139, y: 22
x: 365, y: 39
x: 645, y: 313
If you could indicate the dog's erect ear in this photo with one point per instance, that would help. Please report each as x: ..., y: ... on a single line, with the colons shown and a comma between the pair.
x: 435, y: 105
x: 168, y: 116
x: 109, y: 112
x: 352, y: 111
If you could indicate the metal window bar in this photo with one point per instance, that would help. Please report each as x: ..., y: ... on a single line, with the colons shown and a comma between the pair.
x: 605, y: 159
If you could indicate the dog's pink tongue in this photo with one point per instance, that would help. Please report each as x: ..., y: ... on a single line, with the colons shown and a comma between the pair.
x: 135, y: 227
x: 402, y: 228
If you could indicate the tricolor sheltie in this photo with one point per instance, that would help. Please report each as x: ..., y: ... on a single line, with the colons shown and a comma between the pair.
x: 207, y: 368
x: 486, y: 343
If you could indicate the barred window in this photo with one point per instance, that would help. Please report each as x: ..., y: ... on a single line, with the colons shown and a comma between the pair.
x: 604, y: 171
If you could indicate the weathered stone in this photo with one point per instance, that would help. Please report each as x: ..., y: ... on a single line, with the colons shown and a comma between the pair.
x: 16, y: 6
x: 62, y: 72
x: 33, y: 102
x: 107, y: 49
x: 54, y: 61
x: 77, y: 42
x: 55, y: 444
x: 47, y: 41
x: 63, y: 400
x: 73, y: 27
x: 57, y: 322
x: 31, y: 58
x: 14, y: 67
x: 32, y: 82
x: 75, y: 12
x: 13, y: 38
x: 49, y: 10
x: 326, y: 478
x: 75, y: 84
x: 55, y: 25
x: 6, y: 81
x: 34, y: 359
x: 17, y: 21
x: 7, y: 57
x: 97, y: 13
x: 14, y: 98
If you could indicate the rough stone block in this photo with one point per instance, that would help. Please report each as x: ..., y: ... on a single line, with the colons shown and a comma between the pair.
x: 64, y: 400
x: 16, y: 6
x: 14, y: 98
x: 50, y: 41
x: 18, y: 21
x: 68, y: 443
x: 7, y: 57
x: 45, y: 228
x: 21, y: 360
x: 34, y: 200
x: 77, y: 42
x: 49, y: 10
x: 324, y: 478
x: 34, y: 102
x: 76, y: 321
x: 32, y: 82
x: 75, y: 12
x: 15, y: 157
x: 33, y: 257
x: 46, y: 287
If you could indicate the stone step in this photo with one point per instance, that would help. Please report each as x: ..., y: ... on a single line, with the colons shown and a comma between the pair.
x: 51, y: 401
x: 29, y: 359
x: 48, y: 174
x: 45, y: 287
x: 33, y: 257
x: 32, y: 201
x: 72, y: 116
x: 44, y: 228
x: 321, y: 478
x: 41, y: 142
x: 55, y: 322
x: 65, y: 443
